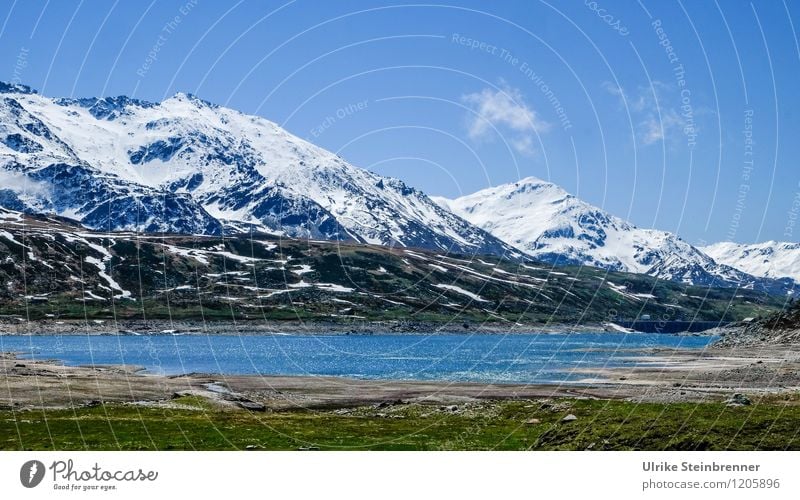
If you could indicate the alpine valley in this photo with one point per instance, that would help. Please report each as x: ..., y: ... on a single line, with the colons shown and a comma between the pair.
x: 102, y: 179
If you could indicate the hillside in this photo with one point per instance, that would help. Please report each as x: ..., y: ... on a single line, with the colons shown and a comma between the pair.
x: 53, y: 270
x: 779, y: 327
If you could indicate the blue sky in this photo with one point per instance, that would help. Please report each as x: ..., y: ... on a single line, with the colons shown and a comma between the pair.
x: 682, y: 116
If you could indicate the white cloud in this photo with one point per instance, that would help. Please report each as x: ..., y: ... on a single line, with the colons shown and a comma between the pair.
x: 523, y: 144
x: 655, y: 128
x: 20, y: 183
x: 504, y: 109
x: 613, y: 89
x: 655, y: 110
x: 650, y: 131
x: 16, y: 181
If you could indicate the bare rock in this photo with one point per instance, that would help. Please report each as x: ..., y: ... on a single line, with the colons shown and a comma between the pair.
x: 251, y: 406
x: 738, y: 400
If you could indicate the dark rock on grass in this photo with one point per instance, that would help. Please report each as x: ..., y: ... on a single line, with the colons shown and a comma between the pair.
x: 251, y: 406
x: 739, y: 400
x: 386, y: 404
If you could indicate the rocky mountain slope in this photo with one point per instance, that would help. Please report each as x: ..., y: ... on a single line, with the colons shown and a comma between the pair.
x: 771, y: 259
x: 779, y: 327
x: 55, y: 270
x: 186, y: 165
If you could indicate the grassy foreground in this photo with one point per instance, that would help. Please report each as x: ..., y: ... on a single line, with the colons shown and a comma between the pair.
x: 510, y: 425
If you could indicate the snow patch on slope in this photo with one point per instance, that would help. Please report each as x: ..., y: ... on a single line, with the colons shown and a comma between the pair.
x: 771, y: 259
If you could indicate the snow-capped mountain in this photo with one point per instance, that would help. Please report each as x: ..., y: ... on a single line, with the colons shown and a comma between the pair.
x: 186, y: 165
x: 544, y: 221
x: 771, y: 259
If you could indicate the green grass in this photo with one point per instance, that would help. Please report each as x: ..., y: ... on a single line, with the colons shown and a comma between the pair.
x: 601, y: 425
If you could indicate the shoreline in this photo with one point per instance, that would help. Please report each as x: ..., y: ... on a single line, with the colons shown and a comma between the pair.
x: 706, y: 401
x: 672, y: 375
x: 217, y: 327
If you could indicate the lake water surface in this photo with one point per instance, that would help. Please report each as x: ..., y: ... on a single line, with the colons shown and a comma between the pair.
x: 534, y: 358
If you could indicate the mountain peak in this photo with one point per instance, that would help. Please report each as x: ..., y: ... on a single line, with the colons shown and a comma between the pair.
x: 530, y: 184
x: 152, y: 165
x: 15, y: 88
x: 191, y: 98
x: 104, y: 108
x: 530, y: 180
x: 544, y: 221
x: 524, y: 185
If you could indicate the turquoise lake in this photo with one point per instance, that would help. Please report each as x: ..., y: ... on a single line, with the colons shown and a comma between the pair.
x: 534, y: 358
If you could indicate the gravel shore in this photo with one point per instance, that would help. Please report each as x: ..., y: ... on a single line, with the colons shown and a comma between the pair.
x: 130, y: 327
x: 714, y: 374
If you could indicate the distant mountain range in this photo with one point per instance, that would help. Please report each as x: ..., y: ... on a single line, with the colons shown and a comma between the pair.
x: 188, y: 166
x: 545, y: 222
x: 771, y: 259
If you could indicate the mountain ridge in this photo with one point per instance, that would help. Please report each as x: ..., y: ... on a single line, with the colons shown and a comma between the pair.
x: 236, y: 172
x: 186, y: 165
x: 549, y: 224
x: 769, y: 259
